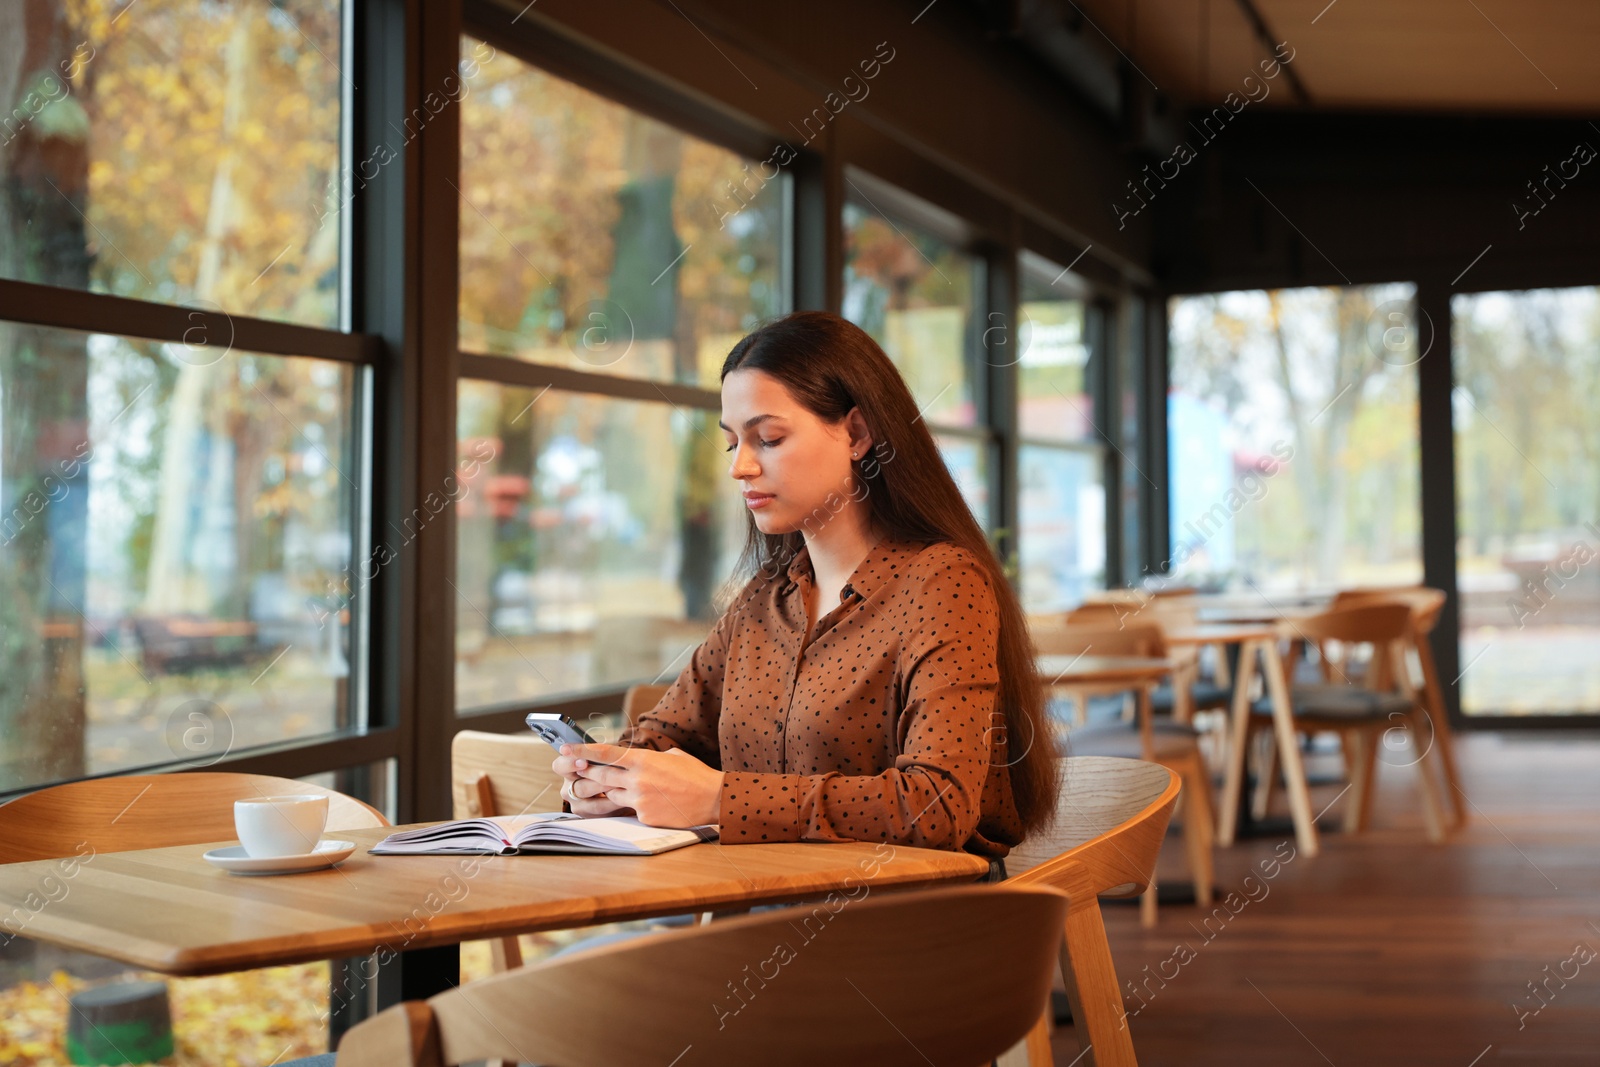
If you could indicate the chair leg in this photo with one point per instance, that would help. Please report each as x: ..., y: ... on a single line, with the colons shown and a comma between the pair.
x: 1149, y: 906
x: 1266, y: 776
x: 1446, y: 742
x: 1092, y: 990
x: 1353, y: 746
x: 1034, y: 1048
x: 1238, y: 750
x: 1198, y: 836
x: 1364, y: 799
x: 1445, y: 737
x: 1432, y: 807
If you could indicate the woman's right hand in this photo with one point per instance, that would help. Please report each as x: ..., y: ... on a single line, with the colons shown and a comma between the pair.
x: 584, y: 797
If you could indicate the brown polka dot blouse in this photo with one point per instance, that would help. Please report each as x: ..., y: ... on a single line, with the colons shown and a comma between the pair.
x: 882, y: 727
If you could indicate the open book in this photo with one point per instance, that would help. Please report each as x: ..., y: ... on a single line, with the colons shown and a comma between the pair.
x: 548, y: 831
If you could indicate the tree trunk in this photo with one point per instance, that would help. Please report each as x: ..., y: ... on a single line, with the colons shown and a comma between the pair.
x: 174, y: 585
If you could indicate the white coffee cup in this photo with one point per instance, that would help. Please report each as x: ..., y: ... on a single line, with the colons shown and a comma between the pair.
x: 272, y: 827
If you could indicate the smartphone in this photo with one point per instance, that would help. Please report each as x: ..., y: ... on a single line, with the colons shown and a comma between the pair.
x: 556, y: 730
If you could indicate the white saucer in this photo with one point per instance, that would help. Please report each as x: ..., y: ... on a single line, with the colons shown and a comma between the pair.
x: 237, y: 861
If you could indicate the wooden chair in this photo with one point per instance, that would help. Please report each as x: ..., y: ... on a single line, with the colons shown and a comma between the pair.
x: 960, y: 973
x: 1094, y: 631
x: 1426, y: 605
x: 510, y: 774
x: 502, y: 774
x: 137, y: 811
x: 1175, y: 745
x: 1106, y: 836
x: 1362, y: 714
x: 1189, y: 691
x: 640, y: 699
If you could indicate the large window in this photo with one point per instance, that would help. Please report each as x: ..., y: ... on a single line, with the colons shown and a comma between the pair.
x: 597, y: 238
x: 1527, y: 371
x: 601, y: 523
x: 1292, y: 430
x: 919, y: 296
x: 178, y: 552
x: 1061, y: 486
x: 178, y: 518
x: 592, y: 544
x: 178, y: 152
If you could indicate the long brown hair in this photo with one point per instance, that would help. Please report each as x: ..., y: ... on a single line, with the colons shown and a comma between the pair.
x: 830, y: 365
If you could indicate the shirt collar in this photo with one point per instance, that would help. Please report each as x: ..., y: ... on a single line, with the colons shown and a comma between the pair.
x: 883, y: 564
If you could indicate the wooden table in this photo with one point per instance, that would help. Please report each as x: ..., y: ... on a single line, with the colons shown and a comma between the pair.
x: 1247, y: 608
x: 1131, y: 671
x: 167, y: 910
x: 1256, y: 639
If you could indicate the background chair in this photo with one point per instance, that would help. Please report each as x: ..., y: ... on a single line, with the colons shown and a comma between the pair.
x: 640, y: 699
x: 510, y: 774
x: 1426, y: 605
x: 502, y: 774
x: 960, y: 972
x: 151, y: 811
x: 1361, y: 714
x: 1104, y: 841
x: 1172, y: 744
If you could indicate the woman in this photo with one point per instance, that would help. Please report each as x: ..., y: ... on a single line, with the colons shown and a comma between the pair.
x: 874, y: 680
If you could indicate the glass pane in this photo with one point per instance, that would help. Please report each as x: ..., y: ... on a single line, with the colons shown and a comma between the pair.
x: 592, y: 544
x: 1062, y: 514
x: 595, y: 238
x: 1053, y: 369
x: 915, y: 294
x: 967, y: 461
x: 1527, y: 371
x: 179, y: 152
x: 176, y: 581
x: 1292, y: 429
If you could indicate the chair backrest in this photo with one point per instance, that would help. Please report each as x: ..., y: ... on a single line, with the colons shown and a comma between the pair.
x: 640, y: 699
x: 137, y: 811
x: 960, y: 973
x: 502, y: 774
x: 1110, y: 820
x: 1425, y: 601
x: 1371, y: 623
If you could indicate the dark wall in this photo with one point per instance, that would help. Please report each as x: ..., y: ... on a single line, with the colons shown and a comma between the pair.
x: 1370, y: 198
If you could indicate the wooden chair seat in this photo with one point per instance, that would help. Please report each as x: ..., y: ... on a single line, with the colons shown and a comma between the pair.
x: 1339, y: 703
x: 1205, y: 694
x: 961, y: 973
x: 1169, y: 740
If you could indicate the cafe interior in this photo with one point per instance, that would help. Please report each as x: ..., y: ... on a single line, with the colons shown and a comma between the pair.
x: 360, y: 379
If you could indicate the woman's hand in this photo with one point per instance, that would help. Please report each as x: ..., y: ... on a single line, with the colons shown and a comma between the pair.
x: 671, y: 788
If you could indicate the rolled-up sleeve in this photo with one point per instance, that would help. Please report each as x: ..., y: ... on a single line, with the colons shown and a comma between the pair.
x: 945, y: 738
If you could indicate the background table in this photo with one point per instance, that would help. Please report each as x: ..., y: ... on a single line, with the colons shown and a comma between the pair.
x: 168, y: 910
x: 1256, y: 639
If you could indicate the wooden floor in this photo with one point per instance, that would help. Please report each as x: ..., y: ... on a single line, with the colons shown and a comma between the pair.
x: 1385, y: 949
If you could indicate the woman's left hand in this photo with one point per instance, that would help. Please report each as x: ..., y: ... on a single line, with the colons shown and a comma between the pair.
x: 671, y: 788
